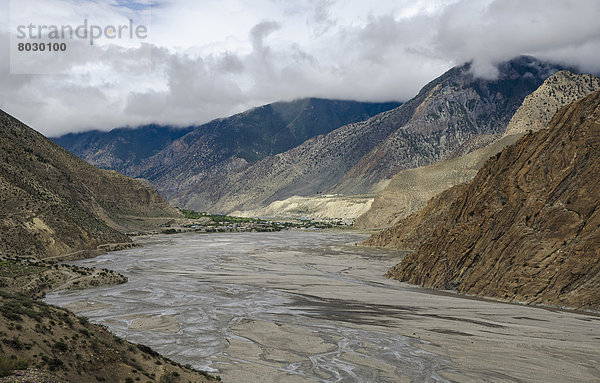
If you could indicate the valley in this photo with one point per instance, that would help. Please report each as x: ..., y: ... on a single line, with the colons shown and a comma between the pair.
x: 370, y: 210
x: 312, y: 307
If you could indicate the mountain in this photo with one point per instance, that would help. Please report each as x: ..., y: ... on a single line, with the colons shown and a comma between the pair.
x: 314, y: 146
x: 223, y: 147
x: 120, y: 148
x: 171, y: 158
x: 307, y: 169
x: 524, y: 229
x: 409, y: 190
x: 53, y: 203
x: 454, y: 112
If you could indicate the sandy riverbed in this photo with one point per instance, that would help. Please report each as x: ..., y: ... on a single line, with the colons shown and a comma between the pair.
x: 306, y: 307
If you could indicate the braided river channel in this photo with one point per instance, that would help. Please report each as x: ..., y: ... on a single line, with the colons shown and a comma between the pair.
x: 300, y: 306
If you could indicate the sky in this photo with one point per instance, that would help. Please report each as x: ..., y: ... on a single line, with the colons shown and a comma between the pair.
x: 205, y: 59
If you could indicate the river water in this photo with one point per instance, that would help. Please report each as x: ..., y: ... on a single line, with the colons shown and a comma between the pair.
x: 300, y: 306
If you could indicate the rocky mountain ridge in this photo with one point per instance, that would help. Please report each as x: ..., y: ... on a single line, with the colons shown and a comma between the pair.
x: 122, y: 148
x: 525, y: 229
x: 560, y: 89
x: 409, y: 190
x: 174, y: 158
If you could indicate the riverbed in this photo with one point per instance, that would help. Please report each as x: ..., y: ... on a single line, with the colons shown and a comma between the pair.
x: 299, y: 306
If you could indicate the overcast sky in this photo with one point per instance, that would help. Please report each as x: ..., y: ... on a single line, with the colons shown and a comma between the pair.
x: 213, y: 58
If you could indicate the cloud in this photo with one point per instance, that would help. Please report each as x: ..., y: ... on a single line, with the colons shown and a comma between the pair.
x: 214, y: 58
x: 260, y: 31
x: 489, y: 32
x: 322, y: 19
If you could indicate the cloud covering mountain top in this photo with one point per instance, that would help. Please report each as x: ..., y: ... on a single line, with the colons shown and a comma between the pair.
x: 214, y: 58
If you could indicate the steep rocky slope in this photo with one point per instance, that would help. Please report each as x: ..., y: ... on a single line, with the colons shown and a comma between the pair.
x: 409, y: 190
x: 410, y: 232
x: 538, y: 108
x: 525, y: 229
x: 53, y: 203
x: 452, y: 112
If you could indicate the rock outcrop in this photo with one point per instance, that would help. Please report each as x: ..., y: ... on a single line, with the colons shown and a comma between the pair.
x: 560, y: 89
x: 525, y: 229
x: 53, y: 203
x: 409, y: 190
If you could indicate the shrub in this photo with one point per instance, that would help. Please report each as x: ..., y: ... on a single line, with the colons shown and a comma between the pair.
x: 147, y: 350
x: 14, y: 343
x: 61, y: 346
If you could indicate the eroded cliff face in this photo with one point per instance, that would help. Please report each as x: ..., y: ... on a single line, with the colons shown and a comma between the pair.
x: 332, y: 207
x: 525, y: 229
x: 409, y: 190
x: 415, y: 229
x: 52, y: 203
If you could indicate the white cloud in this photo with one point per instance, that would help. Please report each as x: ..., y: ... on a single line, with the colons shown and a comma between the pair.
x: 213, y: 58
x: 492, y: 31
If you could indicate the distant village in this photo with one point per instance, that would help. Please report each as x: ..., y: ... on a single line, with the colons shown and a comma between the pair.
x: 209, y: 223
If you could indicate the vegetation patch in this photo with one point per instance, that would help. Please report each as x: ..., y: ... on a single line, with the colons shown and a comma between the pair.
x: 9, y: 365
x: 214, y: 223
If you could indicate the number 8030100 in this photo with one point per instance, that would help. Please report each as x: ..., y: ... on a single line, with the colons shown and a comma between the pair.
x: 42, y: 47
